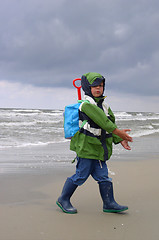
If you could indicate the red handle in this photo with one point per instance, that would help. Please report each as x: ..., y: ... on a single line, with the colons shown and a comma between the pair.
x: 78, y: 88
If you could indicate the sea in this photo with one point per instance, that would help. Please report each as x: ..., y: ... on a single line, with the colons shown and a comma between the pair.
x: 33, y: 139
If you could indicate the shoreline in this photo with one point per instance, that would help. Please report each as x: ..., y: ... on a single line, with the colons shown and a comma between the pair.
x: 44, y: 159
x: 29, y: 211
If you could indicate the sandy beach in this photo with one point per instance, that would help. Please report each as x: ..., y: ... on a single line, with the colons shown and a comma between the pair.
x: 28, y: 210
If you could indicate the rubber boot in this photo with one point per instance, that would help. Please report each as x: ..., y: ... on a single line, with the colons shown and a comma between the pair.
x: 109, y: 204
x: 64, y: 200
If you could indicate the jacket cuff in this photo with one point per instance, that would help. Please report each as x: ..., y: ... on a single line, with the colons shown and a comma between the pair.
x: 116, y: 139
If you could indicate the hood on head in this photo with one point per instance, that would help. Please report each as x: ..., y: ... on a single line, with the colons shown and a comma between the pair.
x: 91, y: 79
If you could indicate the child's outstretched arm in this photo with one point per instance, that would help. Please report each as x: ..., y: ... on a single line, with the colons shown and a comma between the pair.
x: 99, y: 117
x: 123, y: 134
x: 125, y: 145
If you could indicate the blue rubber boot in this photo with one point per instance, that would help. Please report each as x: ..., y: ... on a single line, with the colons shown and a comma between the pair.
x: 64, y: 200
x: 109, y: 204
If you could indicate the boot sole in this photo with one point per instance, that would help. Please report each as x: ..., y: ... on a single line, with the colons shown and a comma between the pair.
x: 114, y: 211
x: 60, y: 206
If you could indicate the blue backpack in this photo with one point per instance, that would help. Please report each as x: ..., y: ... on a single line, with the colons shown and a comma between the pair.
x: 71, y: 119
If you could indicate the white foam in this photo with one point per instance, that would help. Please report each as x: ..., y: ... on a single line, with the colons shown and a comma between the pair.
x: 21, y: 145
x: 122, y: 114
x: 155, y: 124
x: 111, y: 173
x: 26, y: 110
x: 144, y: 133
x: 148, y: 126
x: 10, y: 124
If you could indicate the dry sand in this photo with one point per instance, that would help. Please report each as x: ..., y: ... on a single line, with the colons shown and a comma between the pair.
x: 28, y: 210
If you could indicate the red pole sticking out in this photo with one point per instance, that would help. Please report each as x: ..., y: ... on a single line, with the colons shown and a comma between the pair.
x: 78, y: 88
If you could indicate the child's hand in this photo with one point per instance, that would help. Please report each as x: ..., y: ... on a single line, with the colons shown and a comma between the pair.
x: 122, y: 134
x: 125, y: 144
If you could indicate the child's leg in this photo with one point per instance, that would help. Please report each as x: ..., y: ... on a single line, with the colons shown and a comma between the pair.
x: 83, y: 170
x: 100, y: 174
x: 100, y: 171
x: 109, y: 204
x: 64, y: 200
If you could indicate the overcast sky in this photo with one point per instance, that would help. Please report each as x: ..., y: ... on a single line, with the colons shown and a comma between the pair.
x: 44, y: 45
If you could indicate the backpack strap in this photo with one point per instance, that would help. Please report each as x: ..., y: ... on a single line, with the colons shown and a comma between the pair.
x: 84, y: 122
x: 80, y: 101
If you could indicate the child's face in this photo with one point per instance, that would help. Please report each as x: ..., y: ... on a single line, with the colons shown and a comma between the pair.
x: 97, y: 91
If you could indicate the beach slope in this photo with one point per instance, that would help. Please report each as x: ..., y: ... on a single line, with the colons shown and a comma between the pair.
x: 28, y: 209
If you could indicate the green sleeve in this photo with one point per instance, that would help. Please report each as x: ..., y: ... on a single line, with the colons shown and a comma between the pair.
x: 116, y: 139
x: 98, y: 116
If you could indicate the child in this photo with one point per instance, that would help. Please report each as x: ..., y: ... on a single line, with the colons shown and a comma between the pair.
x: 93, y: 145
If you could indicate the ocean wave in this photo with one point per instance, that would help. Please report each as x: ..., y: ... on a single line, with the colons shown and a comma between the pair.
x: 155, y: 124
x: 136, y: 118
x: 148, y: 126
x: 10, y: 124
x: 36, y: 144
x: 27, y: 127
x: 122, y: 114
x: 52, y: 121
x: 32, y: 122
x: 144, y: 133
x: 53, y: 114
x: 26, y: 110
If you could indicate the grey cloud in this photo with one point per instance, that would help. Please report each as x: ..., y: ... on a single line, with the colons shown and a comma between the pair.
x: 48, y: 43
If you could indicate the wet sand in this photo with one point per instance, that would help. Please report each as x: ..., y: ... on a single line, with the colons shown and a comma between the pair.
x: 28, y: 210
